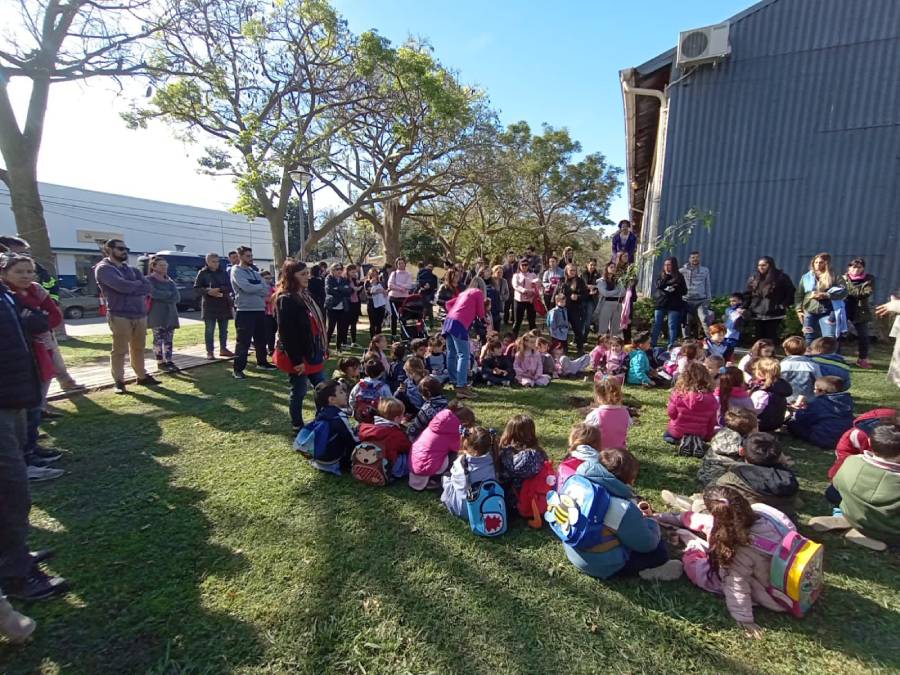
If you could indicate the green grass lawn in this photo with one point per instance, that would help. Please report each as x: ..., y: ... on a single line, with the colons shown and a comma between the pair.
x: 196, y: 541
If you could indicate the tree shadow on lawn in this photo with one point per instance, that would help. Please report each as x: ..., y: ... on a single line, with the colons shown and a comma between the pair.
x: 136, y: 549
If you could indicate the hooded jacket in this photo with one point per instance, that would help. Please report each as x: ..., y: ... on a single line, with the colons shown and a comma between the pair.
x: 692, y: 413
x: 454, y: 494
x: 623, y: 518
x: 569, y: 465
x: 800, y: 372
x: 430, y: 450
x: 558, y: 323
x: 855, y: 441
x: 773, y: 485
x: 430, y: 408
x: 770, y: 404
x: 387, y: 435
x: 124, y: 288
x: 769, y: 301
x: 724, y: 452
x: 697, y: 281
x: 824, y: 420
x: 833, y: 364
x: 870, y: 495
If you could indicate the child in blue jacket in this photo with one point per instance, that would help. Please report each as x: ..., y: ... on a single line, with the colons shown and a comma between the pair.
x: 558, y: 322
x: 331, y: 399
x: 799, y: 370
x: 823, y: 351
x: 824, y: 420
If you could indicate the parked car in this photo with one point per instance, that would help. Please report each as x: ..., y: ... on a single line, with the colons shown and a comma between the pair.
x: 183, y: 268
x: 75, y: 303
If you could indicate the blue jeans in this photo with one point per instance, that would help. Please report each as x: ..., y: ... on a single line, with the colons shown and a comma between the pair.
x: 458, y: 360
x: 674, y: 324
x: 299, y: 387
x: 210, y: 333
x: 821, y: 325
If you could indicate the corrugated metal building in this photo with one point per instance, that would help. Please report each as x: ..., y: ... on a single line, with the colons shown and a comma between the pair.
x: 792, y: 140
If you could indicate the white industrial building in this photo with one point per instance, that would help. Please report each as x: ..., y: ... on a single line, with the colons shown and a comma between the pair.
x: 80, y: 220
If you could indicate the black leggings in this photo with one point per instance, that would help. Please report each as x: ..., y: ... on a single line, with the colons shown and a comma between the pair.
x: 523, y: 308
x: 353, y: 319
x: 395, y: 303
x: 338, y: 319
x: 768, y: 330
x: 376, y: 319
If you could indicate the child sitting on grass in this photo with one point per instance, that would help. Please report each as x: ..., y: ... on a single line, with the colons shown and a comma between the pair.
x: 331, y: 399
x: 548, y: 365
x: 584, y: 445
x: 731, y: 393
x: 634, y: 546
x: 769, y: 394
x: 610, y: 415
x: 725, y: 560
x: 714, y: 364
x: 639, y: 370
x: 436, y: 362
x: 762, y: 478
x: 716, y: 342
x: 408, y: 390
x: 479, y: 451
x: 508, y: 344
x: 566, y: 366
x: 688, y: 352
x: 725, y: 447
x: 693, y: 409
x: 347, y: 372
x: 431, y: 452
x: 395, y: 373
x: 764, y: 348
x: 387, y: 432
x: 799, y: 370
x: 378, y: 349
x: 497, y: 369
x: 527, y: 364
x: 434, y: 401
x: 823, y: 351
x: 521, y: 455
x: 369, y: 390
x: 598, y: 353
x: 826, y: 417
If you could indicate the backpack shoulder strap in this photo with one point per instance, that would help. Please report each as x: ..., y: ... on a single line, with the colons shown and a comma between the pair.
x: 615, y: 513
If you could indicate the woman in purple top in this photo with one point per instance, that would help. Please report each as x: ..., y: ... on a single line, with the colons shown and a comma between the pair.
x: 624, y: 241
x: 462, y: 311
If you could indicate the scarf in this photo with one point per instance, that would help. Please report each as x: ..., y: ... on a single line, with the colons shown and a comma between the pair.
x: 856, y: 277
x: 315, y: 316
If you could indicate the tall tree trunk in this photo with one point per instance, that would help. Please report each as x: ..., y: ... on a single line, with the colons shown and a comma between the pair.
x: 28, y: 213
x: 394, y: 212
x: 279, y: 246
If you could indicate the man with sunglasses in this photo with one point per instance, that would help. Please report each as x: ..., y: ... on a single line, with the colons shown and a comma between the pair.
x: 126, y: 291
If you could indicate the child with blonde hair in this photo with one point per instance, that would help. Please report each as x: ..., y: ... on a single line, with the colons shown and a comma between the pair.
x: 584, y: 445
x: 610, y: 415
x: 528, y: 366
x: 763, y: 348
x: 769, y: 393
x: 480, y: 450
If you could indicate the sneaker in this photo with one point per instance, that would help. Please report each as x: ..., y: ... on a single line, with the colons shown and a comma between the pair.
x: 172, y: 368
x: 226, y: 353
x: 507, y: 383
x: 466, y: 392
x: 148, y: 381
x: 239, y: 375
x: 39, y: 474
x: 47, y: 454
x: 829, y: 523
x: 353, y: 345
x: 864, y: 363
x: 854, y: 536
x: 675, y: 501
x: 266, y: 366
x: 14, y: 626
x: 119, y: 388
x: 50, y: 414
x: 668, y: 571
x: 36, y: 586
x: 43, y: 555
x: 210, y: 356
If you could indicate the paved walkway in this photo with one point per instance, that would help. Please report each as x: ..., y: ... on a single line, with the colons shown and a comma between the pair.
x: 97, y: 325
x: 96, y: 376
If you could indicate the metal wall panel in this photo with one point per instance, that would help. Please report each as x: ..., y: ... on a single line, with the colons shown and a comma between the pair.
x: 793, y: 141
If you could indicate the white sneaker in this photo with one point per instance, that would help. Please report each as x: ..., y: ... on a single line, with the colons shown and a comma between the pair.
x: 675, y: 501
x: 668, y: 571
x: 37, y: 474
x: 16, y: 627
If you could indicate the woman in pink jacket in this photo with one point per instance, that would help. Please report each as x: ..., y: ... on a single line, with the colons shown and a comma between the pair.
x: 693, y: 408
x: 462, y: 311
x: 528, y: 364
x: 430, y: 453
x: 400, y: 285
x: 525, y: 288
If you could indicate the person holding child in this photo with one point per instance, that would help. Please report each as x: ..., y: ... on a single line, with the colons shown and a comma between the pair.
x: 813, y: 299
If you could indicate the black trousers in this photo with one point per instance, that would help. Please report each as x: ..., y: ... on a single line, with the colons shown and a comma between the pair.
x: 353, y: 315
x: 338, y: 320
x: 768, y: 330
x: 507, y: 312
x: 271, y: 332
x: 15, y: 498
x: 395, y: 302
x: 523, y: 308
x: 376, y: 319
x: 251, y: 326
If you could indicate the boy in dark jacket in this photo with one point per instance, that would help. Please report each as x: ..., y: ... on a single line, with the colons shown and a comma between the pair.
x: 331, y: 400
x: 826, y: 417
x: 725, y: 448
x: 823, y: 351
x: 762, y: 478
x: 497, y: 369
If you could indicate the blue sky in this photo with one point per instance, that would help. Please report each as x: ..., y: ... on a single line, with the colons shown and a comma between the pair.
x: 553, y: 62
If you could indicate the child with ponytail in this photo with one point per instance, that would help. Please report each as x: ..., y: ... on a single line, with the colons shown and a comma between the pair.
x: 731, y: 393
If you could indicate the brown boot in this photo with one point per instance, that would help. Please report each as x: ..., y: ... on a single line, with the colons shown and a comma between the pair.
x: 466, y: 392
x: 16, y: 627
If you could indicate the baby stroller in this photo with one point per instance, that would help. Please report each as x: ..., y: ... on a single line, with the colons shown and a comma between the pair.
x: 411, y: 317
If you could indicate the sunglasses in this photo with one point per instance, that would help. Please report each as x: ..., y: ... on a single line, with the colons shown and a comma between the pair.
x: 122, y: 248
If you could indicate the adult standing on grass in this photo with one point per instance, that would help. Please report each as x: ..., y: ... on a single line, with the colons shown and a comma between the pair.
x: 337, y: 305
x: 214, y: 287
x: 126, y: 291
x: 400, y: 284
x: 462, y: 311
x: 670, y: 292
x: 317, y: 286
x: 882, y: 311
x: 301, y: 333
x: 250, y: 293
x: 769, y: 293
x: 622, y: 273
x: 355, y: 301
x: 162, y: 319
x: 624, y: 241
x: 427, y: 285
x: 271, y: 325
x: 698, y: 296
x: 576, y: 300
x: 509, y: 268
x: 591, y: 276
x: 376, y: 304
x: 503, y: 292
x: 860, y: 287
x: 525, y: 287
x: 817, y: 290
x: 449, y: 289
x: 609, y: 309
x: 550, y: 279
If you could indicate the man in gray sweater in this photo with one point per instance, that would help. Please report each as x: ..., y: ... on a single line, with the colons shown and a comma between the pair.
x: 699, y: 295
x: 250, y: 293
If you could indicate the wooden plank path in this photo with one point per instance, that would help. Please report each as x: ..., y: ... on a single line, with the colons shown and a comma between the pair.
x: 96, y: 376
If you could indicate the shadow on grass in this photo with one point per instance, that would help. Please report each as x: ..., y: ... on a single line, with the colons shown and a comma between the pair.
x: 136, y: 549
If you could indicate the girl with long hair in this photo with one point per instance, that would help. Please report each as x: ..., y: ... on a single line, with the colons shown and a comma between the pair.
x: 769, y: 293
x: 479, y: 450
x: 528, y: 364
x: 376, y: 301
x: 521, y: 455
x: 355, y: 302
x: 576, y: 302
x: 610, y: 297
x: 693, y: 409
x: 731, y: 392
x: 670, y: 291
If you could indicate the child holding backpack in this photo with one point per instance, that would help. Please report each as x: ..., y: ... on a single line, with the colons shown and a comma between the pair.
x: 328, y: 440
x: 432, y: 450
x: 478, y: 450
x: 366, y: 394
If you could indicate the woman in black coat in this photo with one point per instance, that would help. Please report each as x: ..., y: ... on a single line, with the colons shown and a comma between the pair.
x: 670, y: 291
x: 577, y: 297
x: 301, y: 334
x: 317, y: 286
x: 769, y: 293
x: 337, y: 304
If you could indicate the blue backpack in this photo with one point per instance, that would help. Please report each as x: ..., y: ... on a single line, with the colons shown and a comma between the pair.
x: 312, y: 441
x: 576, y: 512
x: 485, y: 505
x: 365, y: 405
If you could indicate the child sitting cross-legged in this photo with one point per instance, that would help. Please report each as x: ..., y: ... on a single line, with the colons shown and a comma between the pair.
x: 613, y: 363
x: 632, y: 546
x: 762, y: 478
x: 824, y: 419
x: 434, y: 401
x: 368, y: 391
x: 693, y: 409
x: 388, y: 433
x: 639, y: 370
x: 565, y: 366
x: 823, y: 351
x: 769, y: 394
x: 479, y: 450
x: 731, y: 393
x: 497, y: 369
x: 433, y: 450
x: 521, y: 455
x: 725, y: 446
x: 331, y: 399
x: 799, y: 370
x: 408, y: 390
x: 610, y: 415
x: 436, y: 361
x: 528, y: 366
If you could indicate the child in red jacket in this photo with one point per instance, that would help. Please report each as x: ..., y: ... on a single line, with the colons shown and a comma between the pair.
x: 693, y: 409
x: 386, y: 430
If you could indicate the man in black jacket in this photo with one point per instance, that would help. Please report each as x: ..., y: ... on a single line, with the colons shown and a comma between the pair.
x: 214, y: 287
x: 20, y: 390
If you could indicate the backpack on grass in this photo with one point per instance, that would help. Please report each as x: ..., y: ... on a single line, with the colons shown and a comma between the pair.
x: 368, y: 465
x: 485, y: 505
x: 532, y: 501
x: 312, y: 441
x: 576, y: 512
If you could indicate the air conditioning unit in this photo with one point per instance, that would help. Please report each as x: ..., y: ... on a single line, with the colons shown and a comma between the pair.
x: 703, y: 45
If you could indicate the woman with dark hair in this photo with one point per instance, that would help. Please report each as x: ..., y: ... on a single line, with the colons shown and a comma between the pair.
x: 576, y: 300
x: 301, y: 334
x: 609, y: 308
x: 355, y: 302
x: 860, y: 288
x: 337, y: 304
x: 400, y: 284
x: 620, y: 260
x: 624, y: 241
x: 768, y: 294
x: 670, y: 291
x: 377, y: 301
x: 501, y: 291
x: 448, y: 290
x: 814, y: 296
x: 317, y: 286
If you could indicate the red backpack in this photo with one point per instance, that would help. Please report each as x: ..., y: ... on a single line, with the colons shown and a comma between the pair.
x: 533, y: 495
x: 365, y: 405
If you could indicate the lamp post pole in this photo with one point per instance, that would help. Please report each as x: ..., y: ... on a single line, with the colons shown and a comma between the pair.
x: 301, y: 179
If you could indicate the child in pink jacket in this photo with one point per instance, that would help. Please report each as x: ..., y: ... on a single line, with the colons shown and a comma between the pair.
x: 528, y: 364
x: 693, y: 409
x: 430, y: 453
x: 717, y: 562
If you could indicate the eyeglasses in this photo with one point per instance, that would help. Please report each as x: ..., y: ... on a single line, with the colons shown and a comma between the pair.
x: 122, y: 248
